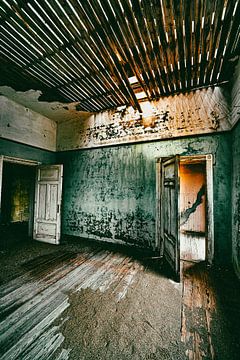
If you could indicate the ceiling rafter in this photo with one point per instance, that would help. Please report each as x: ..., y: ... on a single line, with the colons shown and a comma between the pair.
x: 88, y: 50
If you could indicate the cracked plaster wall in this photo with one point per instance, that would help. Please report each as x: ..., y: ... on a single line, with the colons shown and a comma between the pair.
x: 236, y: 171
x: 197, y: 112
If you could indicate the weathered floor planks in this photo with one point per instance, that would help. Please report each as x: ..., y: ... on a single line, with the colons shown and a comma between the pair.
x: 30, y: 303
x: 33, y: 303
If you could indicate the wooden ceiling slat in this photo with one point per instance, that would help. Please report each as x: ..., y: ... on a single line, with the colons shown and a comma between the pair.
x: 209, y: 8
x: 90, y: 81
x: 158, y: 63
x: 21, y: 32
x: 72, y: 19
x: 48, y: 72
x: 133, y: 59
x: 130, y: 42
x: 116, y: 38
x: 178, y: 15
x: 102, y: 73
x: 140, y: 67
x: 172, y: 46
x: 116, y: 69
x: 226, y: 27
x: 92, y: 90
x: 148, y: 55
x: 139, y: 45
x: 214, y: 42
x: 106, y: 96
x: 40, y: 75
x: 29, y: 18
x: 10, y: 72
x: 188, y: 40
x: 86, y: 50
x: 16, y: 47
x: 229, y: 51
x: 82, y: 51
x: 198, y: 13
x: 160, y: 27
x: 94, y: 79
x: 15, y: 53
x: 40, y: 8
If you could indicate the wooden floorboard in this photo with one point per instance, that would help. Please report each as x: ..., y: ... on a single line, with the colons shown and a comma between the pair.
x: 33, y: 304
x: 30, y: 303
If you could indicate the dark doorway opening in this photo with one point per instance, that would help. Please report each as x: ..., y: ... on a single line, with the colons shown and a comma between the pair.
x: 16, y: 203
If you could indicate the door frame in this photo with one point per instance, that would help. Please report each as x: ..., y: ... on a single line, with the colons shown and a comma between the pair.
x: 19, y: 161
x: 209, y: 161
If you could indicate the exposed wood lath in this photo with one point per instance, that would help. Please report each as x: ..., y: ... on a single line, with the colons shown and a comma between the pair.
x: 86, y: 51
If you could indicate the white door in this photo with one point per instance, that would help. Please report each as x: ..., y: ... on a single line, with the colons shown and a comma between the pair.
x: 47, y: 214
x: 170, y: 213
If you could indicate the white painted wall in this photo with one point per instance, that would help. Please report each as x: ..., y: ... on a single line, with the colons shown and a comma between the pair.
x: 23, y: 125
x: 197, y: 112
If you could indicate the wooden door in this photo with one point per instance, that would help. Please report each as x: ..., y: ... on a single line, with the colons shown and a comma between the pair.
x: 47, y: 215
x: 170, y: 213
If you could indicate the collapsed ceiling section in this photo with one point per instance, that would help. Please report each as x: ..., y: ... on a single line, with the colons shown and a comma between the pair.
x: 108, y: 53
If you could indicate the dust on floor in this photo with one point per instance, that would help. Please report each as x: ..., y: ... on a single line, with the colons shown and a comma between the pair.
x: 84, y: 300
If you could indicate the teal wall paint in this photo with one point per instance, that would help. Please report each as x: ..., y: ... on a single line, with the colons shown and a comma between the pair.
x: 14, y: 149
x: 110, y: 193
x: 236, y: 199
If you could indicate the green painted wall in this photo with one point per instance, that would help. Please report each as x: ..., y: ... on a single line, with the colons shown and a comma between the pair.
x: 110, y: 193
x: 14, y: 149
x: 236, y: 199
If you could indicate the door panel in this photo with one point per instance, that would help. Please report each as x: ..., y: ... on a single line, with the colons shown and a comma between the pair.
x: 170, y: 213
x: 47, y: 217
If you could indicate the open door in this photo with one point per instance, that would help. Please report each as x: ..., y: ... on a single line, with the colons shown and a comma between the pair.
x: 48, y: 195
x: 170, y: 213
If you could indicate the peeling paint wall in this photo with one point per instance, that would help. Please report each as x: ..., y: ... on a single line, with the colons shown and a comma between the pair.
x: 21, y: 124
x: 236, y: 199
x: 235, y: 117
x: 18, y: 150
x: 110, y: 193
x: 197, y: 112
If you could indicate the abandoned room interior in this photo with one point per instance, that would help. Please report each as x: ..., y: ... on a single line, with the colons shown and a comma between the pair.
x: 119, y: 179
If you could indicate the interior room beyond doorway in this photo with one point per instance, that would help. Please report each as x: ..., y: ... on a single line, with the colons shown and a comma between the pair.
x: 193, y: 211
x: 16, y: 202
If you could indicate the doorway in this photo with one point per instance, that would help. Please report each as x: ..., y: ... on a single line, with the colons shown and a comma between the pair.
x: 30, y: 201
x: 192, y: 210
x: 184, y: 226
x: 17, y: 200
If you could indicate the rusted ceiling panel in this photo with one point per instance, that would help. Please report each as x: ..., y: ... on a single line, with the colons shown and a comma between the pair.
x: 87, y: 51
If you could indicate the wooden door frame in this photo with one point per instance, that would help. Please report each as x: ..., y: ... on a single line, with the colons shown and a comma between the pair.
x: 19, y: 161
x: 209, y: 161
